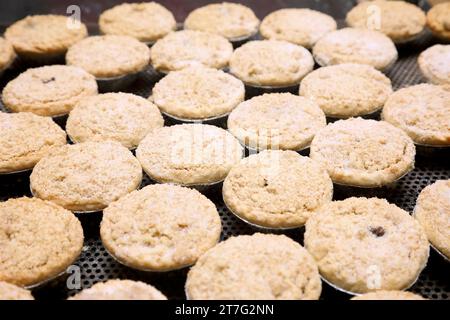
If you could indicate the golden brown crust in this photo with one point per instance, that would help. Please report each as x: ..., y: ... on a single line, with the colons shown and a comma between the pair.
x: 399, y: 20
x: 26, y: 138
x: 48, y: 91
x: 271, y: 63
x: 44, y: 35
x: 7, y: 54
x: 86, y: 176
x: 146, y: 21
x: 257, y: 267
x: 276, y: 121
x: 433, y: 212
x: 423, y: 112
x: 300, y: 26
x: 363, y: 245
x: 389, y: 295
x: 230, y: 20
x: 120, y: 290
x: 277, y: 189
x: 434, y: 64
x: 39, y: 240
x: 189, y: 154
x: 347, y: 90
x: 351, y: 45
x: 121, y: 117
x: 438, y: 20
x: 109, y: 56
x: 160, y: 227
x: 186, y: 48
x: 198, y: 93
x: 364, y: 153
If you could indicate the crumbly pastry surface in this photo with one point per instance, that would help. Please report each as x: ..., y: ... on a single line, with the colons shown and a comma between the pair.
x: 7, y: 54
x: 352, y: 45
x: 271, y: 63
x: 363, y: 245
x: 146, y: 21
x: 121, y: 117
x: 25, y: 138
x: 277, y: 189
x: 186, y: 48
x: 347, y: 90
x: 434, y: 64
x: 276, y: 121
x: 120, y: 290
x: 399, y: 20
x: 109, y: 56
x: 10, y: 291
x: 364, y: 153
x: 423, y: 112
x: 39, y: 240
x: 189, y: 154
x: 257, y: 267
x: 300, y: 26
x: 160, y: 227
x: 438, y: 20
x: 86, y: 176
x: 48, y: 91
x: 433, y: 213
x: 230, y: 20
x: 389, y: 295
x: 45, y: 35
x: 198, y: 93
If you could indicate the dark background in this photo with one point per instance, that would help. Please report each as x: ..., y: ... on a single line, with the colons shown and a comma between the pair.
x: 12, y: 10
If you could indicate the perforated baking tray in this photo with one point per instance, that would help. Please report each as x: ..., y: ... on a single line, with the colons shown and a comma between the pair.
x: 96, y: 265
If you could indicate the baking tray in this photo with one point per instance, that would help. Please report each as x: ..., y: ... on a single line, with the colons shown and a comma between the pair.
x: 95, y: 264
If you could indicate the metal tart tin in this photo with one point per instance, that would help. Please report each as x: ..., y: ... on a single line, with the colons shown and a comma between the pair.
x: 349, y: 190
x: 252, y: 90
x: 250, y: 150
x: 431, y: 245
x: 384, y: 70
x: 219, y: 121
x: 17, y: 172
x: 239, y: 41
x: 201, y: 187
x: 360, y: 293
x: 160, y: 73
x: 52, y: 281
x: 116, y: 83
x: 447, y: 259
x: 374, y: 115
